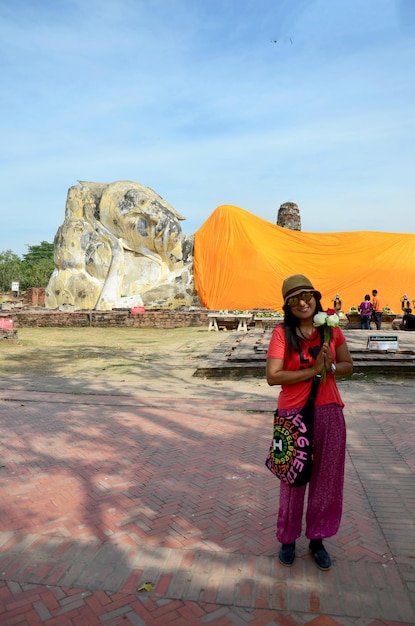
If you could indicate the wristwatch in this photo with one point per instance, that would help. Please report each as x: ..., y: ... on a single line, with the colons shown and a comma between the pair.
x: 333, y: 368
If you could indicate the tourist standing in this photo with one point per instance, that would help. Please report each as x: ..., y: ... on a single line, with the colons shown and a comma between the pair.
x: 365, y: 310
x: 337, y: 304
x: 405, y: 303
x: 296, y: 354
x: 377, y: 309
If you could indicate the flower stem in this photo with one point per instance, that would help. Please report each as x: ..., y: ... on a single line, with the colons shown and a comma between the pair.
x: 326, y: 340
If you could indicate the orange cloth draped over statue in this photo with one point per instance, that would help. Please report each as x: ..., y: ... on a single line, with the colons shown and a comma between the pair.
x: 240, y: 261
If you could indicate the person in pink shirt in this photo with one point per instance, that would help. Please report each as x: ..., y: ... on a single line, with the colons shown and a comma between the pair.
x: 365, y: 310
x: 296, y: 354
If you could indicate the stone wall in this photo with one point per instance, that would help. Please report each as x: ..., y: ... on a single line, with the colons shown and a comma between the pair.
x: 153, y: 318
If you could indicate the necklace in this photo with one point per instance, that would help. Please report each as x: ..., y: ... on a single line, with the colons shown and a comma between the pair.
x: 302, y: 334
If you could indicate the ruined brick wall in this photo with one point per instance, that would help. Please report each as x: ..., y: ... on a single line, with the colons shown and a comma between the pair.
x: 289, y: 216
x: 152, y: 318
x: 34, y: 296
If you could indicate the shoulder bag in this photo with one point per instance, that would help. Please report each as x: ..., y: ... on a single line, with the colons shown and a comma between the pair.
x: 290, y: 455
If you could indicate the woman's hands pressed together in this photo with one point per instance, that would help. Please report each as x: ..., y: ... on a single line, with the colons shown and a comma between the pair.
x: 323, y: 360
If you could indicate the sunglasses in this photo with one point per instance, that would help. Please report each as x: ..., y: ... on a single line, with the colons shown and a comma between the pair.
x: 304, y: 295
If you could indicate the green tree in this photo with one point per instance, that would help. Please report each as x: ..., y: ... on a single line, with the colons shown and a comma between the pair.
x: 42, y: 251
x: 37, y: 265
x: 32, y: 270
x: 36, y: 274
x: 10, y: 270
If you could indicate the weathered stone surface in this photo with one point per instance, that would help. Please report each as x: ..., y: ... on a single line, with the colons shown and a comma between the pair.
x: 120, y: 245
x: 289, y: 216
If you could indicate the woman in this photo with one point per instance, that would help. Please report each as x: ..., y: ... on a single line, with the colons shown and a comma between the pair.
x: 365, y: 310
x: 296, y: 354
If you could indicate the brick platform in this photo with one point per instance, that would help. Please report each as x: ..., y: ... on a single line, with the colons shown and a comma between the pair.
x: 103, y: 493
x: 245, y: 355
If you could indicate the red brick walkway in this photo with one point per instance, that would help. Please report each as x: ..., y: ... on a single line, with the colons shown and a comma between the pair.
x: 102, y: 494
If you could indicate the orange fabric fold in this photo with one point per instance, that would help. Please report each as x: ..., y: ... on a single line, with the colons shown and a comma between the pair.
x: 241, y: 260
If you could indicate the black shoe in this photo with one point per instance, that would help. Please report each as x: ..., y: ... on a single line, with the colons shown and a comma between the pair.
x: 321, y: 556
x: 286, y: 554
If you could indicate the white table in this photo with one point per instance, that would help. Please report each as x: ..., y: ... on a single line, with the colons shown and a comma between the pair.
x: 242, y: 320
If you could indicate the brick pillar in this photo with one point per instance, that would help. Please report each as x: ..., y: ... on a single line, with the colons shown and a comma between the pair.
x: 289, y: 216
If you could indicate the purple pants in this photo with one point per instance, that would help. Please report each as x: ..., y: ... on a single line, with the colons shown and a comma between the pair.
x: 325, y: 490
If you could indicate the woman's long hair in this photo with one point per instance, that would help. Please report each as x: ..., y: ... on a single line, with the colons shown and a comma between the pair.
x: 291, y: 323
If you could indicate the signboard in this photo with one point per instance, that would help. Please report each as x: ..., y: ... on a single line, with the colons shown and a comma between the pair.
x: 383, y: 342
x: 15, y: 285
x: 6, y: 324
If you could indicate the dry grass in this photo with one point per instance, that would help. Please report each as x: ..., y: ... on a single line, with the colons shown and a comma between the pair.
x: 89, y: 352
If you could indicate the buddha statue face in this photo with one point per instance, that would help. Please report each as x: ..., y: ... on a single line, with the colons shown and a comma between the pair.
x: 141, y: 219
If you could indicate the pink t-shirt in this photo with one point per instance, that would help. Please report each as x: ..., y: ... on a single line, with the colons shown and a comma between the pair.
x: 365, y: 308
x: 294, y: 396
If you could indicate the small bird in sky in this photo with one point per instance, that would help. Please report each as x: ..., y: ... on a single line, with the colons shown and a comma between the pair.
x: 290, y: 39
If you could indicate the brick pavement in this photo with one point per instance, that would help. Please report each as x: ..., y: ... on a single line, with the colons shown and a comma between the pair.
x: 102, y: 493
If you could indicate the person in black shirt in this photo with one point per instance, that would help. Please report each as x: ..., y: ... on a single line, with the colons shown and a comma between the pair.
x: 408, y: 320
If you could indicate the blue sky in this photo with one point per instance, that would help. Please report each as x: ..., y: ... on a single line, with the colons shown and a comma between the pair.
x: 195, y: 99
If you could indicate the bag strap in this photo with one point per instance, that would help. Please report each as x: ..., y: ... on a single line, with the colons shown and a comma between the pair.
x: 314, y: 385
x: 314, y: 388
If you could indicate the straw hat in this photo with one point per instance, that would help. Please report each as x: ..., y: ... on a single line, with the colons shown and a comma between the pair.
x: 295, y: 284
